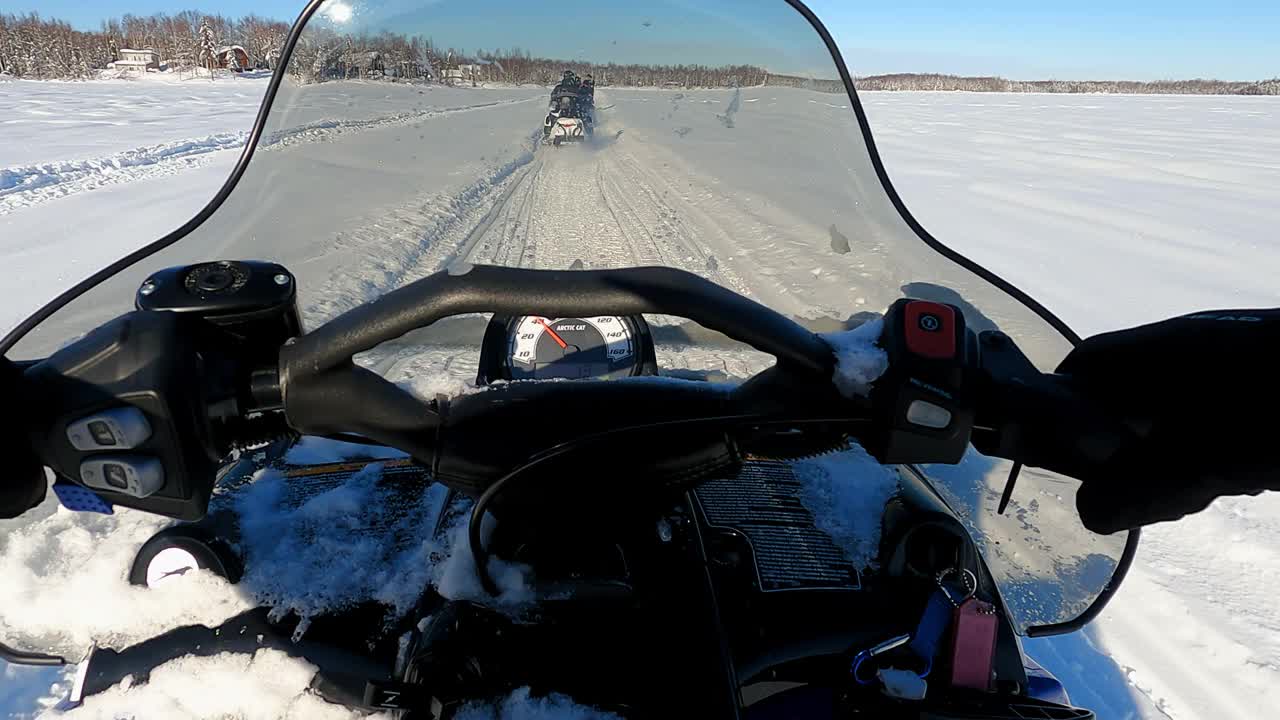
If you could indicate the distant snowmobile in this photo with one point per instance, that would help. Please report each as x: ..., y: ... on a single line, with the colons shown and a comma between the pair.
x: 569, y: 118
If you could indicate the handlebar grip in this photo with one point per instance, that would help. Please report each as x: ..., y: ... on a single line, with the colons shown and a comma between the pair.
x: 520, y: 291
x: 1040, y: 419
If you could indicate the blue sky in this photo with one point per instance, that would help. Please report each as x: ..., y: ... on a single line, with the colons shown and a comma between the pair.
x: 1144, y: 39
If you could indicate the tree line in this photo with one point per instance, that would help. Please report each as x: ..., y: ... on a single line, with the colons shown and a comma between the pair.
x: 37, y: 48
x: 927, y: 81
x: 322, y: 54
x: 518, y: 66
x: 34, y: 47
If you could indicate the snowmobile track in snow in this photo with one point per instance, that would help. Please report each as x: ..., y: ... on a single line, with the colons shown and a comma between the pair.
x: 590, y: 204
x: 24, y: 186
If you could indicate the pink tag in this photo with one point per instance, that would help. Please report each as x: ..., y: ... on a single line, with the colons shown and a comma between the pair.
x: 973, y: 644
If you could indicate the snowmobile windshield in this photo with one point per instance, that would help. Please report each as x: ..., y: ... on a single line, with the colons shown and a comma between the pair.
x: 725, y: 139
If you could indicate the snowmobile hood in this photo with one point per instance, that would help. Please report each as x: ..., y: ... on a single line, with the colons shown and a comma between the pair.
x: 728, y: 141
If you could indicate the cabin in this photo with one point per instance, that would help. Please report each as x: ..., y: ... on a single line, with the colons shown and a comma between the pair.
x: 471, y: 73
x: 136, y: 61
x: 349, y: 64
x: 224, y: 58
x: 362, y: 64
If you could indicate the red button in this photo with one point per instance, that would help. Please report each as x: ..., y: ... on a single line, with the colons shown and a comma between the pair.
x: 931, y: 330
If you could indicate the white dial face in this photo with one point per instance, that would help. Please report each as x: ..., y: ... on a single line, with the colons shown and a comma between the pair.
x: 587, y: 347
x: 170, y: 563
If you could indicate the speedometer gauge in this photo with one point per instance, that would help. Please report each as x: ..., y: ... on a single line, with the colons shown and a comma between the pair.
x: 541, y: 348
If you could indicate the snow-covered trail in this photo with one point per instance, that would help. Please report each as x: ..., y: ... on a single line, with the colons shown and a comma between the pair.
x: 590, y: 207
x: 386, y: 184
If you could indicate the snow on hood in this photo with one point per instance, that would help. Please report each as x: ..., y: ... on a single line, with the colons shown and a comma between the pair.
x: 264, y: 686
x: 52, y: 565
x: 521, y: 705
x: 846, y: 492
x: 859, y: 361
x: 335, y: 550
x: 269, y: 685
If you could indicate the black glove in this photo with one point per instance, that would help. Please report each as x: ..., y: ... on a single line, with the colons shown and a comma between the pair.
x: 1202, y: 394
x: 22, y: 483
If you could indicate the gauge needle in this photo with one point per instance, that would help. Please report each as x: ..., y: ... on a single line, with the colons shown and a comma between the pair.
x: 559, y: 340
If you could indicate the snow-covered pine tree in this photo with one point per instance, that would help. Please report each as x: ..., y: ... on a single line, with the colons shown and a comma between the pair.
x: 208, y: 47
x: 233, y: 60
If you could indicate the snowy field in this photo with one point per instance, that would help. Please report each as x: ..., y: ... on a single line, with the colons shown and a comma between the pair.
x: 1110, y: 210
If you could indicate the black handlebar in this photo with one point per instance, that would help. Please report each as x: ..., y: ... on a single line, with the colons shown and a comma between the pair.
x: 519, y: 291
x: 325, y: 393
x: 942, y: 382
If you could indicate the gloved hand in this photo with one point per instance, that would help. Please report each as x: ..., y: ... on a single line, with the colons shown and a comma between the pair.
x: 22, y: 482
x: 1202, y: 394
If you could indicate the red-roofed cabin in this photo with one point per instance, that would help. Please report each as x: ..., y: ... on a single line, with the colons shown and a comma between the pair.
x: 242, y: 58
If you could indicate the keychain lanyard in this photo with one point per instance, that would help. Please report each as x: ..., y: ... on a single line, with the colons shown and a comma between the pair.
x: 943, y: 605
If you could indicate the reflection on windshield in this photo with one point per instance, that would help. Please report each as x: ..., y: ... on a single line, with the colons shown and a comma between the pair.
x: 717, y: 140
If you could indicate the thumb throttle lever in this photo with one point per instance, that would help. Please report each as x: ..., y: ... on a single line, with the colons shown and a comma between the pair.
x: 923, y: 403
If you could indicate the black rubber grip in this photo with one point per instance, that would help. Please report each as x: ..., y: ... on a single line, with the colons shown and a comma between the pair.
x: 558, y: 293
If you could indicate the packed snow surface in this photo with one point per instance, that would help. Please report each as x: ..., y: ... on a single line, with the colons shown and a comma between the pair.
x: 1111, y: 210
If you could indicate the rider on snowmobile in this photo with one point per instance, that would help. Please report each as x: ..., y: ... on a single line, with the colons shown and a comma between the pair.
x: 587, y: 95
x: 569, y: 99
x: 568, y: 82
